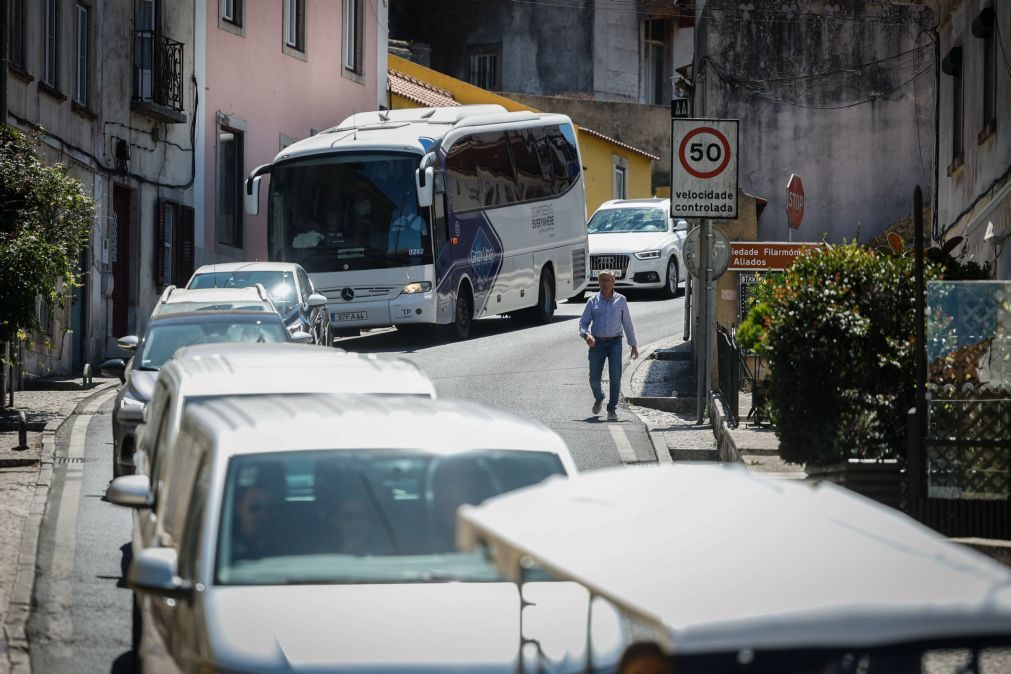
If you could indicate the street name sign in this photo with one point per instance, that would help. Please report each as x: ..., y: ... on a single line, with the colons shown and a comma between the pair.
x: 794, y: 201
x: 765, y: 256
x: 704, y: 168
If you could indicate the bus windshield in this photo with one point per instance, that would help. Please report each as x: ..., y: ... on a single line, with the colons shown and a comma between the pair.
x: 348, y: 211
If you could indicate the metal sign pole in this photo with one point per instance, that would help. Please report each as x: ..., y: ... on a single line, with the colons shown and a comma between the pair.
x: 702, y: 378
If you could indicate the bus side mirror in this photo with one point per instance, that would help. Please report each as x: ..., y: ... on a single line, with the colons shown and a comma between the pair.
x: 251, y: 195
x: 425, y: 180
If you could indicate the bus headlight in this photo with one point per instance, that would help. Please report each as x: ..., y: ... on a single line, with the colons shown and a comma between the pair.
x: 648, y: 255
x: 417, y: 287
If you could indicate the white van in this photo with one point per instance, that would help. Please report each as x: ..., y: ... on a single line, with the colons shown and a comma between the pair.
x: 290, y: 547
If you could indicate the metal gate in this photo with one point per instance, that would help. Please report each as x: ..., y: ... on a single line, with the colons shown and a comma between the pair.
x: 960, y: 458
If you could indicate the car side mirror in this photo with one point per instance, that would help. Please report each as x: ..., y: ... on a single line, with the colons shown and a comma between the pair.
x: 130, y: 491
x: 316, y: 300
x: 156, y: 571
x: 681, y: 226
x: 424, y: 179
x: 114, y: 367
x: 128, y: 343
x: 301, y: 337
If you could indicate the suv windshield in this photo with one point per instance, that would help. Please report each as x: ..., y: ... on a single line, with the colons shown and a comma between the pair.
x: 360, y: 516
x: 162, y: 340
x: 628, y: 220
x: 279, y: 284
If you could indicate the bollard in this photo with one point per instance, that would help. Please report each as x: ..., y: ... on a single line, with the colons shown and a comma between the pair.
x: 22, y: 431
x: 86, y: 381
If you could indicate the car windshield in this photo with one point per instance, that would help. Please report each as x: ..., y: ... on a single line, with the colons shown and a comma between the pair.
x: 628, y: 220
x: 161, y: 341
x: 279, y: 284
x: 368, y: 516
x: 240, y: 305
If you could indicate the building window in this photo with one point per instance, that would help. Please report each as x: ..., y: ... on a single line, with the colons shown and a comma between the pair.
x: 484, y: 67
x: 51, y: 44
x: 294, y: 24
x: 989, y: 85
x: 175, y: 244
x: 620, y: 182
x: 230, y: 166
x: 82, y: 77
x: 654, y: 31
x: 353, y: 36
x: 16, y: 33
x: 231, y: 11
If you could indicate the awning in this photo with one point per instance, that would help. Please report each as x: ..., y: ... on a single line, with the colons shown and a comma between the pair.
x: 722, y: 560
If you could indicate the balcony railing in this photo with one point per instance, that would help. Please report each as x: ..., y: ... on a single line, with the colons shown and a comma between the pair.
x: 158, y: 72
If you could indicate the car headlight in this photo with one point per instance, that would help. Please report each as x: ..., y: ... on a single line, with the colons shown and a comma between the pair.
x: 648, y: 255
x: 131, y: 408
x: 417, y: 287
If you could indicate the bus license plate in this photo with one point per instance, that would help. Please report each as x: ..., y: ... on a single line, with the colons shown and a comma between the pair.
x: 350, y: 316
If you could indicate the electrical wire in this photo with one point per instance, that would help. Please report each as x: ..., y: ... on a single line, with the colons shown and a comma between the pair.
x: 1000, y: 41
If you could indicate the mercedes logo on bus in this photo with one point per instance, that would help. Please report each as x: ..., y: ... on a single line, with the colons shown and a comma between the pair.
x: 347, y: 294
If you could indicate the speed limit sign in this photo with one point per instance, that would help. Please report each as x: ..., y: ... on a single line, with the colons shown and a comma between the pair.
x: 704, y: 168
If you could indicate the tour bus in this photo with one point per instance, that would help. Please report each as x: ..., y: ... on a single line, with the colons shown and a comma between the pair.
x: 432, y: 216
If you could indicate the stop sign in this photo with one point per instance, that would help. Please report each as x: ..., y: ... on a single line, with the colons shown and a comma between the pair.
x: 794, y: 201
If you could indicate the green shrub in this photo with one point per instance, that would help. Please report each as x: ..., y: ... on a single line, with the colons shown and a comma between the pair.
x: 840, y: 346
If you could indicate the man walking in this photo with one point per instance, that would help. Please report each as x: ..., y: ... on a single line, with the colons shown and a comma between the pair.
x: 604, y: 319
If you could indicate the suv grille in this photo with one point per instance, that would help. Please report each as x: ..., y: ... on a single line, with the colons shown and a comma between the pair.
x: 609, y: 262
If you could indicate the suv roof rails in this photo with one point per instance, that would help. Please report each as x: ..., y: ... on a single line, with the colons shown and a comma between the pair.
x: 166, y: 294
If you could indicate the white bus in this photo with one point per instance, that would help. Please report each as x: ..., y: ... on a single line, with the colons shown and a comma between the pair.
x: 432, y: 216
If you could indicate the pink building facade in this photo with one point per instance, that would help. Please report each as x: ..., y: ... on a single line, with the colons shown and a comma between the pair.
x: 273, y: 73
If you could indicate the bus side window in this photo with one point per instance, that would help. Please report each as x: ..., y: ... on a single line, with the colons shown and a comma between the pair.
x: 439, y: 224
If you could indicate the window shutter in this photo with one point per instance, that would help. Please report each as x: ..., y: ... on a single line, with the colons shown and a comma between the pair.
x: 186, y: 246
x: 160, y: 273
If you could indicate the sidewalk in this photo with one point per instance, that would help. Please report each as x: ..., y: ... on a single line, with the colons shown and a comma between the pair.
x: 25, y: 476
x: 660, y: 388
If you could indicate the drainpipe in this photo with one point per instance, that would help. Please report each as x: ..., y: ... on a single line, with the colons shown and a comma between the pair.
x: 3, y: 57
x: 936, y: 37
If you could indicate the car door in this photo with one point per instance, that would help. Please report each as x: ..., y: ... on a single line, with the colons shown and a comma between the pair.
x: 315, y: 315
x: 188, y: 640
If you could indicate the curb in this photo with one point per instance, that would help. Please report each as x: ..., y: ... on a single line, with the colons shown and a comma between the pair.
x: 14, y: 654
x: 725, y: 443
x: 656, y: 439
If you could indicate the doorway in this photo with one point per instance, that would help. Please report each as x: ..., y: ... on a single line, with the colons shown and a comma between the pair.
x: 119, y: 247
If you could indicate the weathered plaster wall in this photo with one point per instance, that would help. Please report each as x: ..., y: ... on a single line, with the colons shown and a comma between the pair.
x: 841, y: 94
x: 615, y: 53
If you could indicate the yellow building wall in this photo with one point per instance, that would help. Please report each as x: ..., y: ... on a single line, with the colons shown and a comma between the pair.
x: 597, y: 153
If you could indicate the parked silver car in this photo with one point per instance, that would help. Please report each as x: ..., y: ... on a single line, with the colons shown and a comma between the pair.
x: 165, y: 333
x: 290, y: 288
x: 293, y: 548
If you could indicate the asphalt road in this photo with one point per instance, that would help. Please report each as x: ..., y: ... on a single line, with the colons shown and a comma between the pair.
x: 538, y: 372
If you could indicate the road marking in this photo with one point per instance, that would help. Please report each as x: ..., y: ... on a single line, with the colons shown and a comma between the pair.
x: 625, y: 451
x: 61, y: 590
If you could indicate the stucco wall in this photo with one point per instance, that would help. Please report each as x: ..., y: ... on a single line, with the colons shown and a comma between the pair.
x: 267, y: 93
x: 615, y: 53
x: 841, y: 94
x: 599, y: 158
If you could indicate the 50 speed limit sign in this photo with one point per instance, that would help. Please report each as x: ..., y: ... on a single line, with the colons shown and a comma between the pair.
x: 703, y: 168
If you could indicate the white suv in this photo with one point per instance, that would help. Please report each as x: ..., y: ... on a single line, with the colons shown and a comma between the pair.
x: 639, y: 241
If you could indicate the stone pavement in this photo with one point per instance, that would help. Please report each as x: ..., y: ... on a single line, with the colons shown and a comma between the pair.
x: 25, y: 475
x: 660, y: 389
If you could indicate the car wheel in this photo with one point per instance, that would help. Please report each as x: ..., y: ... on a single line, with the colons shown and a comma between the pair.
x: 136, y: 630
x: 670, y: 289
x: 463, y: 315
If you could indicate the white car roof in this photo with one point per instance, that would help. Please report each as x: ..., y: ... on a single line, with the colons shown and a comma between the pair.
x: 652, y: 202
x: 247, y: 266
x: 261, y: 424
x: 248, y: 368
x: 248, y: 297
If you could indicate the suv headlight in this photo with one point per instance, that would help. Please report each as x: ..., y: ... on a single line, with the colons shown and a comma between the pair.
x: 417, y: 287
x: 648, y: 255
x: 131, y: 408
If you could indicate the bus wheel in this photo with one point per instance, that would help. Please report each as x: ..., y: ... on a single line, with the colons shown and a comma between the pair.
x: 671, y: 289
x: 462, y: 317
x: 545, y: 309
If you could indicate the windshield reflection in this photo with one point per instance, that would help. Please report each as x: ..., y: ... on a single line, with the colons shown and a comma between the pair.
x: 343, y: 212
